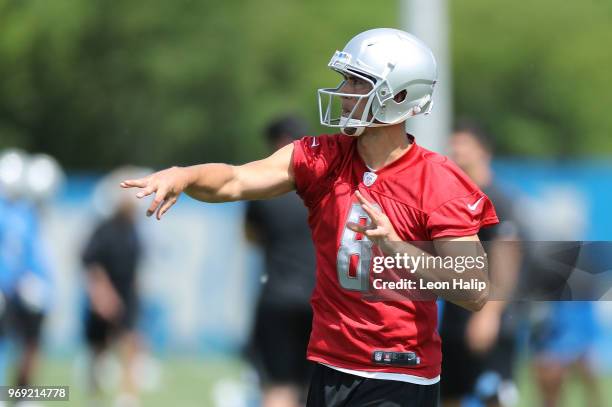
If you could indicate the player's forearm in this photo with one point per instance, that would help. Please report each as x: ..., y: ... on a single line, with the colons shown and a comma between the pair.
x: 435, y: 274
x: 212, y: 182
x: 261, y: 179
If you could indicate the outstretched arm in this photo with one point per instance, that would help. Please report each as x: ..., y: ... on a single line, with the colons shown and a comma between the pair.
x: 262, y: 179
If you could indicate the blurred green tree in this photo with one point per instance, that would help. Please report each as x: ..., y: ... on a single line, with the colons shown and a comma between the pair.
x: 100, y: 83
x: 537, y: 73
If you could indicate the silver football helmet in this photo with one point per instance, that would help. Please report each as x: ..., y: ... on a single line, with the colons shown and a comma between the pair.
x: 13, y: 163
x: 44, y: 177
x: 392, y: 61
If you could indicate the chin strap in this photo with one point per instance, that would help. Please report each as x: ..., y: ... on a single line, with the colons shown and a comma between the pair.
x: 352, y: 131
x: 348, y: 130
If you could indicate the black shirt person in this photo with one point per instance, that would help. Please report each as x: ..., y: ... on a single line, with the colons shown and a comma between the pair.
x: 280, y: 227
x: 111, y: 258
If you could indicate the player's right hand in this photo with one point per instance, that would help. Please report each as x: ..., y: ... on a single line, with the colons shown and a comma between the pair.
x: 166, y: 185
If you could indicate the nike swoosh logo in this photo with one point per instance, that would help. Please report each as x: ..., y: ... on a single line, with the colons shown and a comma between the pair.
x: 473, y: 206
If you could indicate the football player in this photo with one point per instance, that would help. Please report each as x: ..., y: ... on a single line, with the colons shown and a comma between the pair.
x: 368, y: 187
x: 479, y: 349
x: 25, y: 273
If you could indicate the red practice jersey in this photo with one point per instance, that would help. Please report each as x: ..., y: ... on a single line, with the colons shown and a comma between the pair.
x: 426, y: 196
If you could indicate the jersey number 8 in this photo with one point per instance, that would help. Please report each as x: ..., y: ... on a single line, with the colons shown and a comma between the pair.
x: 355, y: 253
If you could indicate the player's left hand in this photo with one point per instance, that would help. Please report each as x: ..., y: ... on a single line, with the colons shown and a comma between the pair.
x: 380, y: 230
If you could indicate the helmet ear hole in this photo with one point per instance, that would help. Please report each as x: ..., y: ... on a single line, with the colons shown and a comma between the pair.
x: 400, y: 97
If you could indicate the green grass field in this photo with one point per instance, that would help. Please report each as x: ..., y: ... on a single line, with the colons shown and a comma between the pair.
x: 191, y: 383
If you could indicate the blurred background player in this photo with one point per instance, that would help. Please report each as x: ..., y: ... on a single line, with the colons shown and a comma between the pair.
x: 479, y: 348
x: 5, y: 277
x: 562, y: 342
x: 111, y: 258
x: 563, y: 327
x: 564, y: 330
x: 28, y: 183
x: 12, y: 191
x: 283, y: 318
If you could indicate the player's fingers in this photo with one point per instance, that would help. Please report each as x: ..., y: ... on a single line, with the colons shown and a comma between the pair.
x: 362, y: 199
x: 372, y: 213
x: 130, y: 183
x: 147, y: 191
x: 374, y: 233
x: 355, y: 227
x: 367, y: 204
x: 160, y: 197
x: 166, y: 205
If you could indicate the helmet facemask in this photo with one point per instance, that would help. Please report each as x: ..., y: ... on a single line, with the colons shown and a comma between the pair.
x: 361, y: 116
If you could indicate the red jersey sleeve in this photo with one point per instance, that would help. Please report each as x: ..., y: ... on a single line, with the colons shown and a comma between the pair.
x: 313, y: 160
x: 461, y: 216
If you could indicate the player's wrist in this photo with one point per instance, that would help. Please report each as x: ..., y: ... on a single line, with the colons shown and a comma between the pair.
x: 393, y: 237
x: 390, y: 246
x: 188, y: 176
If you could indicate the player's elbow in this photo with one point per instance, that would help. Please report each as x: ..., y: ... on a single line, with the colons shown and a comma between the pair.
x: 478, y: 301
x: 478, y: 294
